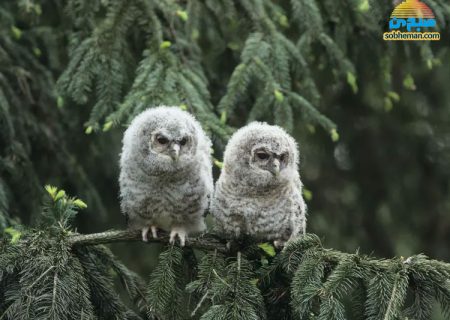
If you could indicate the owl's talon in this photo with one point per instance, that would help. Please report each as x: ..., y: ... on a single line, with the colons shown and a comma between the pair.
x: 182, y: 239
x: 154, y: 232
x: 279, y: 244
x: 181, y: 235
x: 145, y: 233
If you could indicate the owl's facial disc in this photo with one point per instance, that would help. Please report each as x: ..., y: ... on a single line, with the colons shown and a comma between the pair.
x: 165, y: 145
x: 269, y: 161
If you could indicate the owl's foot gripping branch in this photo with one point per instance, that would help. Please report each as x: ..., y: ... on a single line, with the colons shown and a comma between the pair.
x: 307, y: 278
x: 205, y: 241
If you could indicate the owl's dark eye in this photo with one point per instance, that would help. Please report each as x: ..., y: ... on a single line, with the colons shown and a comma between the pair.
x: 262, y: 155
x: 162, y: 140
x: 283, y: 157
x: 183, y: 141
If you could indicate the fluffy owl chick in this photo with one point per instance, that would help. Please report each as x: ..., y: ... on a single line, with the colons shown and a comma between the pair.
x: 258, y: 193
x: 166, y: 173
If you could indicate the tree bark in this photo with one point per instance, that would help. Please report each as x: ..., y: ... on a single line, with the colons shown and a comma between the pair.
x: 205, y: 241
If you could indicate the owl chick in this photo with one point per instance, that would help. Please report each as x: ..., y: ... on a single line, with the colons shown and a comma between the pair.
x: 259, y: 191
x: 165, y: 173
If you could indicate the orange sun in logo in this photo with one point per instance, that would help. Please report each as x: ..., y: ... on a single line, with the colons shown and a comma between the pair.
x: 412, y: 9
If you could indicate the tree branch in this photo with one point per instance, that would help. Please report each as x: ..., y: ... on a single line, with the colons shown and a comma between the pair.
x: 206, y: 241
x: 212, y: 242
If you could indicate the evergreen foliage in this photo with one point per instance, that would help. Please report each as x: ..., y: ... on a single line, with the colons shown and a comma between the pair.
x: 202, y: 287
x: 74, y: 66
x: 165, y: 288
x: 171, y: 69
x: 46, y: 276
x: 31, y: 116
x: 43, y: 277
x: 234, y: 294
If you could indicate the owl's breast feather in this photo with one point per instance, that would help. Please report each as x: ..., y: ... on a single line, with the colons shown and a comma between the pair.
x: 265, y: 217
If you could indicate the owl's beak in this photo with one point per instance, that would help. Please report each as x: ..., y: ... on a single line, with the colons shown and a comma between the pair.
x: 175, y: 152
x: 275, y: 167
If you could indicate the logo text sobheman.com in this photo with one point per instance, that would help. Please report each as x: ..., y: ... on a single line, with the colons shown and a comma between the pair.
x: 412, y: 20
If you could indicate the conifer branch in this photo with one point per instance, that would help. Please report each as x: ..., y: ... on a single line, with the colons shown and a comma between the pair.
x: 206, y: 241
x: 209, y: 241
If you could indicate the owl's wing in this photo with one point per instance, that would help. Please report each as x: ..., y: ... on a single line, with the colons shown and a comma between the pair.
x: 125, y: 211
x: 300, y: 206
x: 133, y: 198
x: 205, y: 146
x: 127, y: 218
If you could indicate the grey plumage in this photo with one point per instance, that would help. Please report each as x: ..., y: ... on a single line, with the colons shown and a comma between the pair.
x: 166, y: 173
x: 259, y: 191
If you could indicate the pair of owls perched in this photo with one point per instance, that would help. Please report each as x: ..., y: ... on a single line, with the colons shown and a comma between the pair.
x: 166, y: 179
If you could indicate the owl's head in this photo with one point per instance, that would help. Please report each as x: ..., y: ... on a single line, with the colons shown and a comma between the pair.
x: 171, y: 144
x: 261, y: 155
x: 162, y: 139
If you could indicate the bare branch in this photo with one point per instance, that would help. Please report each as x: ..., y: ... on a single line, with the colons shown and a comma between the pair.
x: 206, y: 241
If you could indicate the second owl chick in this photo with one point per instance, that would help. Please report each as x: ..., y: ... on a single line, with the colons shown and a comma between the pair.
x: 259, y: 191
x: 166, y: 173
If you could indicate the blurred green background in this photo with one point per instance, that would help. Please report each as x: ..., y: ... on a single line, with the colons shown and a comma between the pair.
x: 382, y: 188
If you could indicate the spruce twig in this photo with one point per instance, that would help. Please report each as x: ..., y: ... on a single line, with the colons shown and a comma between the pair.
x: 205, y: 241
